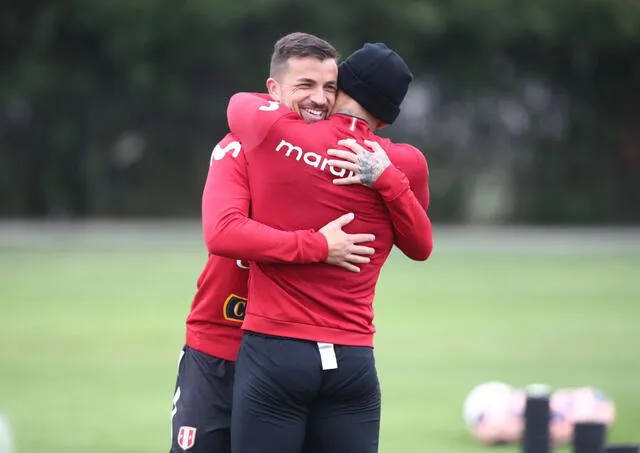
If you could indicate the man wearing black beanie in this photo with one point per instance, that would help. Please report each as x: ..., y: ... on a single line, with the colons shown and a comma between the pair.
x: 305, y: 371
x: 373, y: 82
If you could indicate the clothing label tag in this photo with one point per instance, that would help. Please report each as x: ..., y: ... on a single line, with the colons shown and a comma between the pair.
x: 327, y: 356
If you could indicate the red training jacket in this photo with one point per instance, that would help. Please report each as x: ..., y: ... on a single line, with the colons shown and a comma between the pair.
x: 291, y: 189
x: 218, y: 308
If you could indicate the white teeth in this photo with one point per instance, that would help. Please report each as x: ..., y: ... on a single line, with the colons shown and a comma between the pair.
x: 314, y: 112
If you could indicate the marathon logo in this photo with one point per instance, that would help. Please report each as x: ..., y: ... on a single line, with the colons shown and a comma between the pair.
x: 234, y: 308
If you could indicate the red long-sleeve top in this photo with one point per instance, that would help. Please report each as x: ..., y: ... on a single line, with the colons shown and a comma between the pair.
x: 218, y: 308
x: 291, y: 189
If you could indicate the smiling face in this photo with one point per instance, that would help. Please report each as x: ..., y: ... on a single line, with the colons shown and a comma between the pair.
x: 307, y: 85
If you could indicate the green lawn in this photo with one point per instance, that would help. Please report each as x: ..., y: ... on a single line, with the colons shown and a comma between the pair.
x: 89, y: 339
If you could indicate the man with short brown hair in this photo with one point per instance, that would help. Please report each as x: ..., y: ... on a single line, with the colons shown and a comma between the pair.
x: 304, y: 64
x: 304, y: 73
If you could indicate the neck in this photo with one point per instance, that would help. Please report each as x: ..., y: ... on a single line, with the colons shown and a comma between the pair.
x: 352, y: 108
x: 350, y: 112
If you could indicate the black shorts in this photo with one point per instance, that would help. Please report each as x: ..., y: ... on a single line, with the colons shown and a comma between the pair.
x: 201, y: 414
x: 284, y: 402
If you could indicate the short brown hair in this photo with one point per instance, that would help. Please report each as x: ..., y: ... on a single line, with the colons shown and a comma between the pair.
x: 299, y: 45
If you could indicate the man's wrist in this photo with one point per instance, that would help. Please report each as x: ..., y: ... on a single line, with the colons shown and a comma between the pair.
x: 387, y: 178
x: 321, y: 247
x: 391, y: 183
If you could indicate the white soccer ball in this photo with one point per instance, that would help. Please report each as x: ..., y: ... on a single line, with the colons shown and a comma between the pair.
x: 481, y: 397
x: 492, y: 415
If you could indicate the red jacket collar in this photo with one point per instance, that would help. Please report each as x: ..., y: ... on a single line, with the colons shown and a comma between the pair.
x: 351, y: 122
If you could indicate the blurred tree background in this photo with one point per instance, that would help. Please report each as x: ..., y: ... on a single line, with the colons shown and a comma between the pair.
x: 527, y: 111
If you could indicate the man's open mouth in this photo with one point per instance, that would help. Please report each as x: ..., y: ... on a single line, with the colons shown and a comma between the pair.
x: 315, y: 114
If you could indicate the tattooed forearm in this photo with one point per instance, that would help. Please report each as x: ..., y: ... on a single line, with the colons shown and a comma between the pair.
x: 371, y: 166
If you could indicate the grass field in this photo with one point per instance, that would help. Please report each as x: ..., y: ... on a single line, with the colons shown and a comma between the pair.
x: 90, y: 334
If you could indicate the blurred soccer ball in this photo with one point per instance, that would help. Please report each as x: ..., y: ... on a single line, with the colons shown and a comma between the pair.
x: 584, y: 404
x: 492, y: 415
x: 592, y: 405
x: 480, y: 397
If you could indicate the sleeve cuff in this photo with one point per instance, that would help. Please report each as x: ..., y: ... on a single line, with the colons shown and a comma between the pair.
x: 315, y: 246
x: 391, y: 183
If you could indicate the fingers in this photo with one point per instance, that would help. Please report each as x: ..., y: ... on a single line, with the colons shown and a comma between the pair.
x: 357, y: 259
x: 375, y: 146
x: 347, y: 181
x: 343, y: 164
x: 357, y: 255
x: 351, y: 261
x: 362, y: 237
x: 342, y: 154
x: 343, y: 220
x: 350, y: 267
x: 362, y: 250
x: 352, y: 145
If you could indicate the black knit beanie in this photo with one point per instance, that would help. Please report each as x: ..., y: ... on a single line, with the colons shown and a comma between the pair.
x: 377, y: 78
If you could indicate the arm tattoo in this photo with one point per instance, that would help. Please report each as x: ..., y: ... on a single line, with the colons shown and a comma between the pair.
x: 371, y: 167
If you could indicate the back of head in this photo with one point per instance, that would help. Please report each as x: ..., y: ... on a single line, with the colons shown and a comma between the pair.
x: 377, y: 78
x: 299, y: 45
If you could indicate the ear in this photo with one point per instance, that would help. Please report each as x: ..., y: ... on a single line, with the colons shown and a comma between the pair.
x: 274, y: 90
